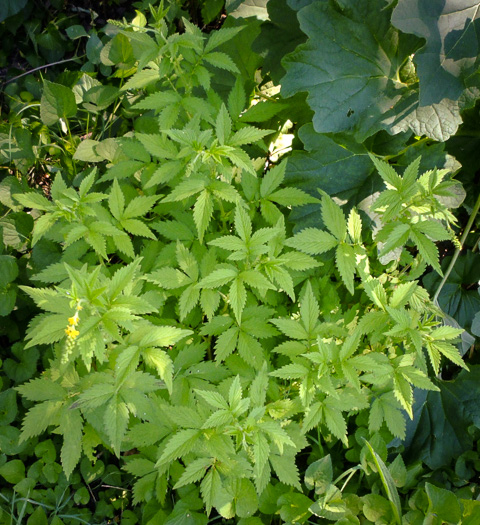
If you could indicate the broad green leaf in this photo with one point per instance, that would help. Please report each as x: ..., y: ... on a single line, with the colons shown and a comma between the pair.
x: 57, y: 102
x: 443, y: 504
x: 459, y: 297
x: 439, y: 431
x: 8, y: 270
x: 313, y: 417
x: 10, y: 8
x: 353, y: 87
x: 236, y: 97
x: 14, y: 472
x: 443, y: 64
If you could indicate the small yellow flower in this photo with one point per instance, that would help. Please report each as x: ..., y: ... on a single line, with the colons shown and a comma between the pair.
x: 71, y: 332
x: 73, y: 320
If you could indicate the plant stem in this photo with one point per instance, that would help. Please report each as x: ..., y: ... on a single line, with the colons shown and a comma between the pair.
x: 42, y: 67
x: 466, y: 231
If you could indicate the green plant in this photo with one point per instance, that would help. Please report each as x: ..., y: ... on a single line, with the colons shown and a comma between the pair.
x: 246, y: 340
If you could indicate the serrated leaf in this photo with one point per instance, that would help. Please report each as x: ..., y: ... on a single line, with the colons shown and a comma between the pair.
x: 214, y: 399
x: 291, y: 371
x: 178, y: 445
x: 116, y: 200
x: 312, y: 241
x: 226, y: 344
x: 243, y: 224
x: 286, y: 469
x: 221, y: 60
x: 162, y: 363
x: 115, y: 423
x: 345, y: 262
x: 163, y: 335
x: 309, y: 309
x: 41, y: 389
x: 70, y: 426
x: 291, y: 197
x: 34, y: 200
x: 237, y: 297
x: 334, y: 421
x: 248, y: 135
x: 223, y: 125
x: 194, y: 472
x: 185, y: 189
x: 218, y: 278
x: 139, y: 206
x: 255, y: 279
x: 169, y: 278
x: 354, y: 226
x: 219, y: 37
x: 427, y: 250
x: 333, y: 218
x: 291, y: 328
x: 39, y: 417
x: 229, y: 242
x: 202, y: 212
x: 188, y: 300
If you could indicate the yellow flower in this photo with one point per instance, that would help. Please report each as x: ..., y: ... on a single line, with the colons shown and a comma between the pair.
x: 73, y: 320
x: 71, y: 332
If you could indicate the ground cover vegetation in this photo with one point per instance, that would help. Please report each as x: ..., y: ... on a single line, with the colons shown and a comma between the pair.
x: 239, y: 263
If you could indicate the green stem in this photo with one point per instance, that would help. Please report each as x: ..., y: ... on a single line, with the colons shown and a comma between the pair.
x: 466, y: 231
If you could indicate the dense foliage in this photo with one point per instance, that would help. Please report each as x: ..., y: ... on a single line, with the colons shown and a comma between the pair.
x: 239, y: 269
